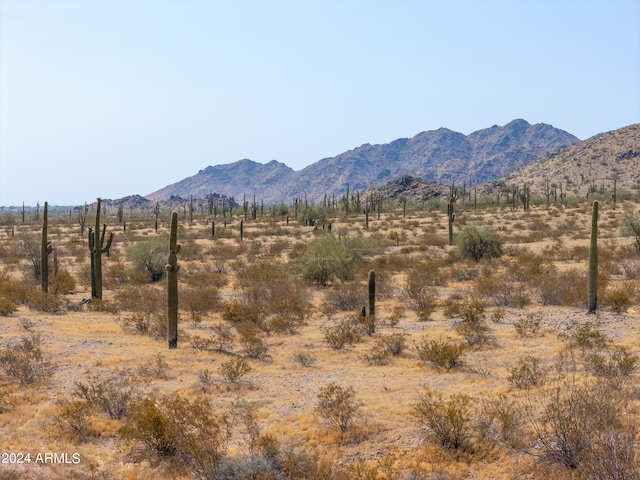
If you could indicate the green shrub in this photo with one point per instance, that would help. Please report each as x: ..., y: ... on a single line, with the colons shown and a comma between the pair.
x: 478, y: 242
x: 149, y: 256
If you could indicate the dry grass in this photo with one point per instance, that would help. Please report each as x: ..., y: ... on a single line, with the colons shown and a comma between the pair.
x: 282, y: 385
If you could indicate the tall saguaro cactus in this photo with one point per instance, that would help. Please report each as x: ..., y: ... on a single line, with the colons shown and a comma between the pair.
x: 451, y: 207
x: 172, y: 283
x: 593, y: 262
x: 45, y: 250
x: 97, y: 248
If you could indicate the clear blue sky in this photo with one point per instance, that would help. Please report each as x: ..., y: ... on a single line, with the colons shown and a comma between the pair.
x: 113, y: 98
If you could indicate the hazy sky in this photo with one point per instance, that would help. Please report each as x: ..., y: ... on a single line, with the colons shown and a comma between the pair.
x: 121, y: 97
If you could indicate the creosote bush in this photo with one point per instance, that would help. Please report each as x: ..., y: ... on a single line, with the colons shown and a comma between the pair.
x: 478, y: 243
x: 25, y: 361
x: 337, y: 406
x: 441, y: 353
x: 447, y: 421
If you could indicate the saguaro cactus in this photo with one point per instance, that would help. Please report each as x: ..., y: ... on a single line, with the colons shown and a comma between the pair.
x: 97, y: 248
x: 593, y: 262
x: 45, y: 250
x: 172, y: 283
x: 372, y: 293
x: 451, y: 206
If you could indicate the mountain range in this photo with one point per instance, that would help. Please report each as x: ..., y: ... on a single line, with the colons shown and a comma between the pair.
x: 438, y: 155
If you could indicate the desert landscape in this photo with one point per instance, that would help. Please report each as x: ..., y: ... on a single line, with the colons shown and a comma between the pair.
x: 480, y: 360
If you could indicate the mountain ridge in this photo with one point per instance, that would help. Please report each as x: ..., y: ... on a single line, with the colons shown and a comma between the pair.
x: 441, y: 155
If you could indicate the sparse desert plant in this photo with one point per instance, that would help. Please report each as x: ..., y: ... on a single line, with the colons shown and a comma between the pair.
x: 74, y: 417
x: 199, y: 301
x: 423, y: 298
x: 344, y: 333
x: 447, y: 421
x: 478, y: 243
x: 500, y: 420
x: 304, y: 358
x: 347, y: 296
x: 25, y: 361
x: 62, y: 282
x: 527, y: 373
x: 7, y: 307
x: 441, y: 353
x: 338, y: 406
x: 233, y: 370
x: 113, y: 395
x: 610, y: 363
x: 528, y: 325
x: 619, y: 300
x: 584, y: 335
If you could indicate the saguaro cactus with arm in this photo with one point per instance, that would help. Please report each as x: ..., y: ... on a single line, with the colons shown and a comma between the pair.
x: 172, y: 283
x: 97, y: 248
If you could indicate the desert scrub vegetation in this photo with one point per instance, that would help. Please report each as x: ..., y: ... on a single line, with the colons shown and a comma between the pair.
x: 338, y: 407
x: 25, y: 361
x: 478, y: 243
x: 241, y: 301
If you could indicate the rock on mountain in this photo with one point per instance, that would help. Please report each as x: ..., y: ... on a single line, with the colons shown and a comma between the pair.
x: 441, y: 155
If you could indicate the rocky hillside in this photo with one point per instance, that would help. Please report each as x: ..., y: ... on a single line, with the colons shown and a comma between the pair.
x: 587, y: 164
x: 441, y: 155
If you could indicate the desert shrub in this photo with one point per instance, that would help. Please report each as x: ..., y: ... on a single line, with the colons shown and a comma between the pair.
x: 25, y: 361
x: 619, y: 300
x: 252, y: 345
x: 149, y: 256
x: 615, y: 362
x: 567, y: 288
x: 528, y: 325
x: 527, y: 373
x: 473, y: 327
x: 304, y: 358
x: 145, y: 299
x: 422, y: 298
x: 441, y: 353
x: 62, y: 283
x: 112, y: 396
x: 199, y: 301
x: 347, y: 296
x: 379, y: 354
x: 337, y: 406
x: 394, y: 343
x: 527, y: 265
x: 74, y: 417
x: 15, y: 291
x: 574, y: 418
x: 347, y: 332
x: 501, y: 420
x: 233, y: 370
x: 187, y: 431
x: 478, y: 242
x: 447, y: 421
x: 7, y: 307
x: 268, y: 297
x: 45, y: 302
x: 584, y: 335
x: 331, y: 256
x: 503, y: 290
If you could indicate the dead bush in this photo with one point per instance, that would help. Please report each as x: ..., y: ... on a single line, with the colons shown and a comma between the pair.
x: 345, y: 333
